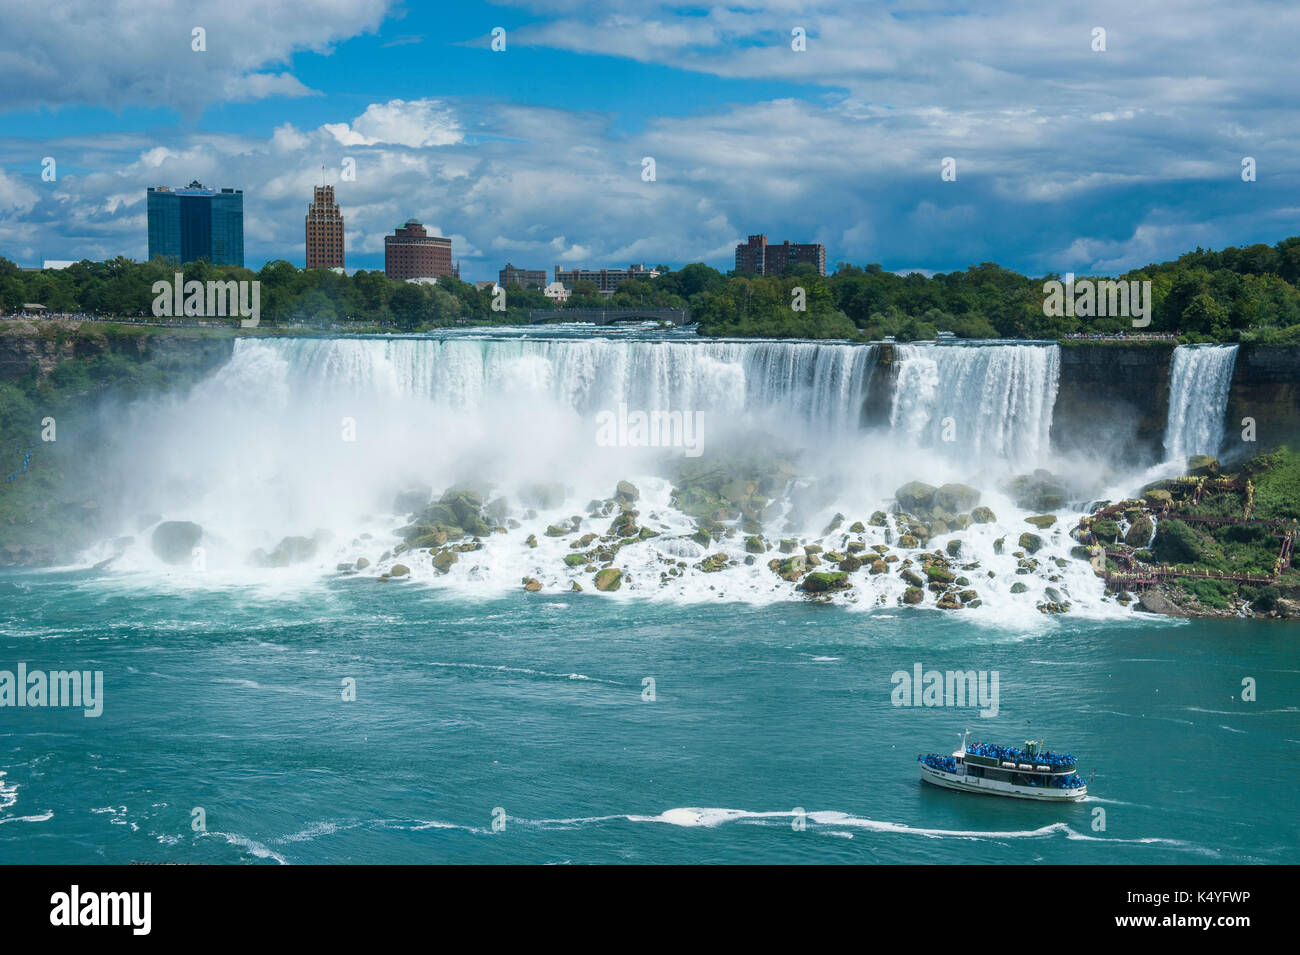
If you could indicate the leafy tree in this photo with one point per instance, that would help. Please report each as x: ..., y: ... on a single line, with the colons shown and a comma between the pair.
x: 409, y: 306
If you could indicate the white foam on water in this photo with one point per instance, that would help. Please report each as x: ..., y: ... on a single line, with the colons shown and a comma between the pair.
x: 40, y: 817
x: 251, y: 846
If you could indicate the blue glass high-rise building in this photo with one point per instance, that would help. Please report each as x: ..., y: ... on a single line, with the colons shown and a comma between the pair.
x: 196, y: 223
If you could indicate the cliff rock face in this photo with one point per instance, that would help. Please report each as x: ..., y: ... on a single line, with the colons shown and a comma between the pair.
x: 1266, y: 388
x: 22, y: 344
x: 880, y: 390
x: 45, y: 344
x: 1113, y: 402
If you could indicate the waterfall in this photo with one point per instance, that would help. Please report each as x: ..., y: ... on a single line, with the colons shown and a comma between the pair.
x: 814, y: 384
x: 326, y: 447
x: 988, y: 400
x: 1199, y: 379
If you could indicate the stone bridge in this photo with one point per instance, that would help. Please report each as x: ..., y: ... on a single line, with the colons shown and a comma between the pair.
x: 609, y: 316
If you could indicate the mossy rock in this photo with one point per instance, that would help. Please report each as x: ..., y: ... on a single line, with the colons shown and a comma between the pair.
x: 575, y: 560
x: 954, y: 548
x: 1139, y: 532
x: 1040, y: 491
x: 436, y: 537
x: 443, y: 560
x: 1081, y: 553
x: 712, y: 563
x: 825, y: 581
x: 1202, y: 465
x: 1107, y: 531
x: 878, y: 519
x: 913, y: 595
x: 532, y: 540
x: 1018, y: 588
x: 940, y: 574
x: 878, y: 567
x: 755, y: 545
x: 909, y: 542
x: 1157, y: 497
x: 626, y: 491
x: 1042, y: 521
x: 458, y: 507
x: 916, y: 497
x: 956, y: 497
x: 792, y: 568
x: 1030, y: 542
x: 611, y: 578
x: 293, y: 550
x: 789, y: 546
x: 399, y: 570
x: 999, y: 544
x: 362, y: 563
x: 173, y: 542
x: 912, y: 577
x: 532, y: 584
x: 983, y: 515
x: 857, y: 527
x: 850, y: 564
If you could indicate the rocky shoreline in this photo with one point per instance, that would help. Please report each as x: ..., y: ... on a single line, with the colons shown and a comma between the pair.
x: 916, y: 553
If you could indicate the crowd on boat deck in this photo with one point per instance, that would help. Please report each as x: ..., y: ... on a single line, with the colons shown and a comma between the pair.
x: 993, y: 751
x: 945, y: 763
x: 1072, y: 781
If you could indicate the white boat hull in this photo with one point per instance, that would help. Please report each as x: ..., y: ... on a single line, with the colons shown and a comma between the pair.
x: 994, y: 787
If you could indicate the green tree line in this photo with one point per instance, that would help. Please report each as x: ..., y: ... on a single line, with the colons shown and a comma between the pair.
x: 1246, y: 294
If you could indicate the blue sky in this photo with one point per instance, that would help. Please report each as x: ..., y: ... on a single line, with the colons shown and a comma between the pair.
x: 1068, y: 157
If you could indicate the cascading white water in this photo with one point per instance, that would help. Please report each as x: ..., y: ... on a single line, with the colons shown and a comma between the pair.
x: 1199, y: 379
x: 821, y: 385
x: 315, y: 438
x: 988, y: 400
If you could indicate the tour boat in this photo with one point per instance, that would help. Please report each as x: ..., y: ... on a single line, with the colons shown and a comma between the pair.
x: 1028, y: 773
